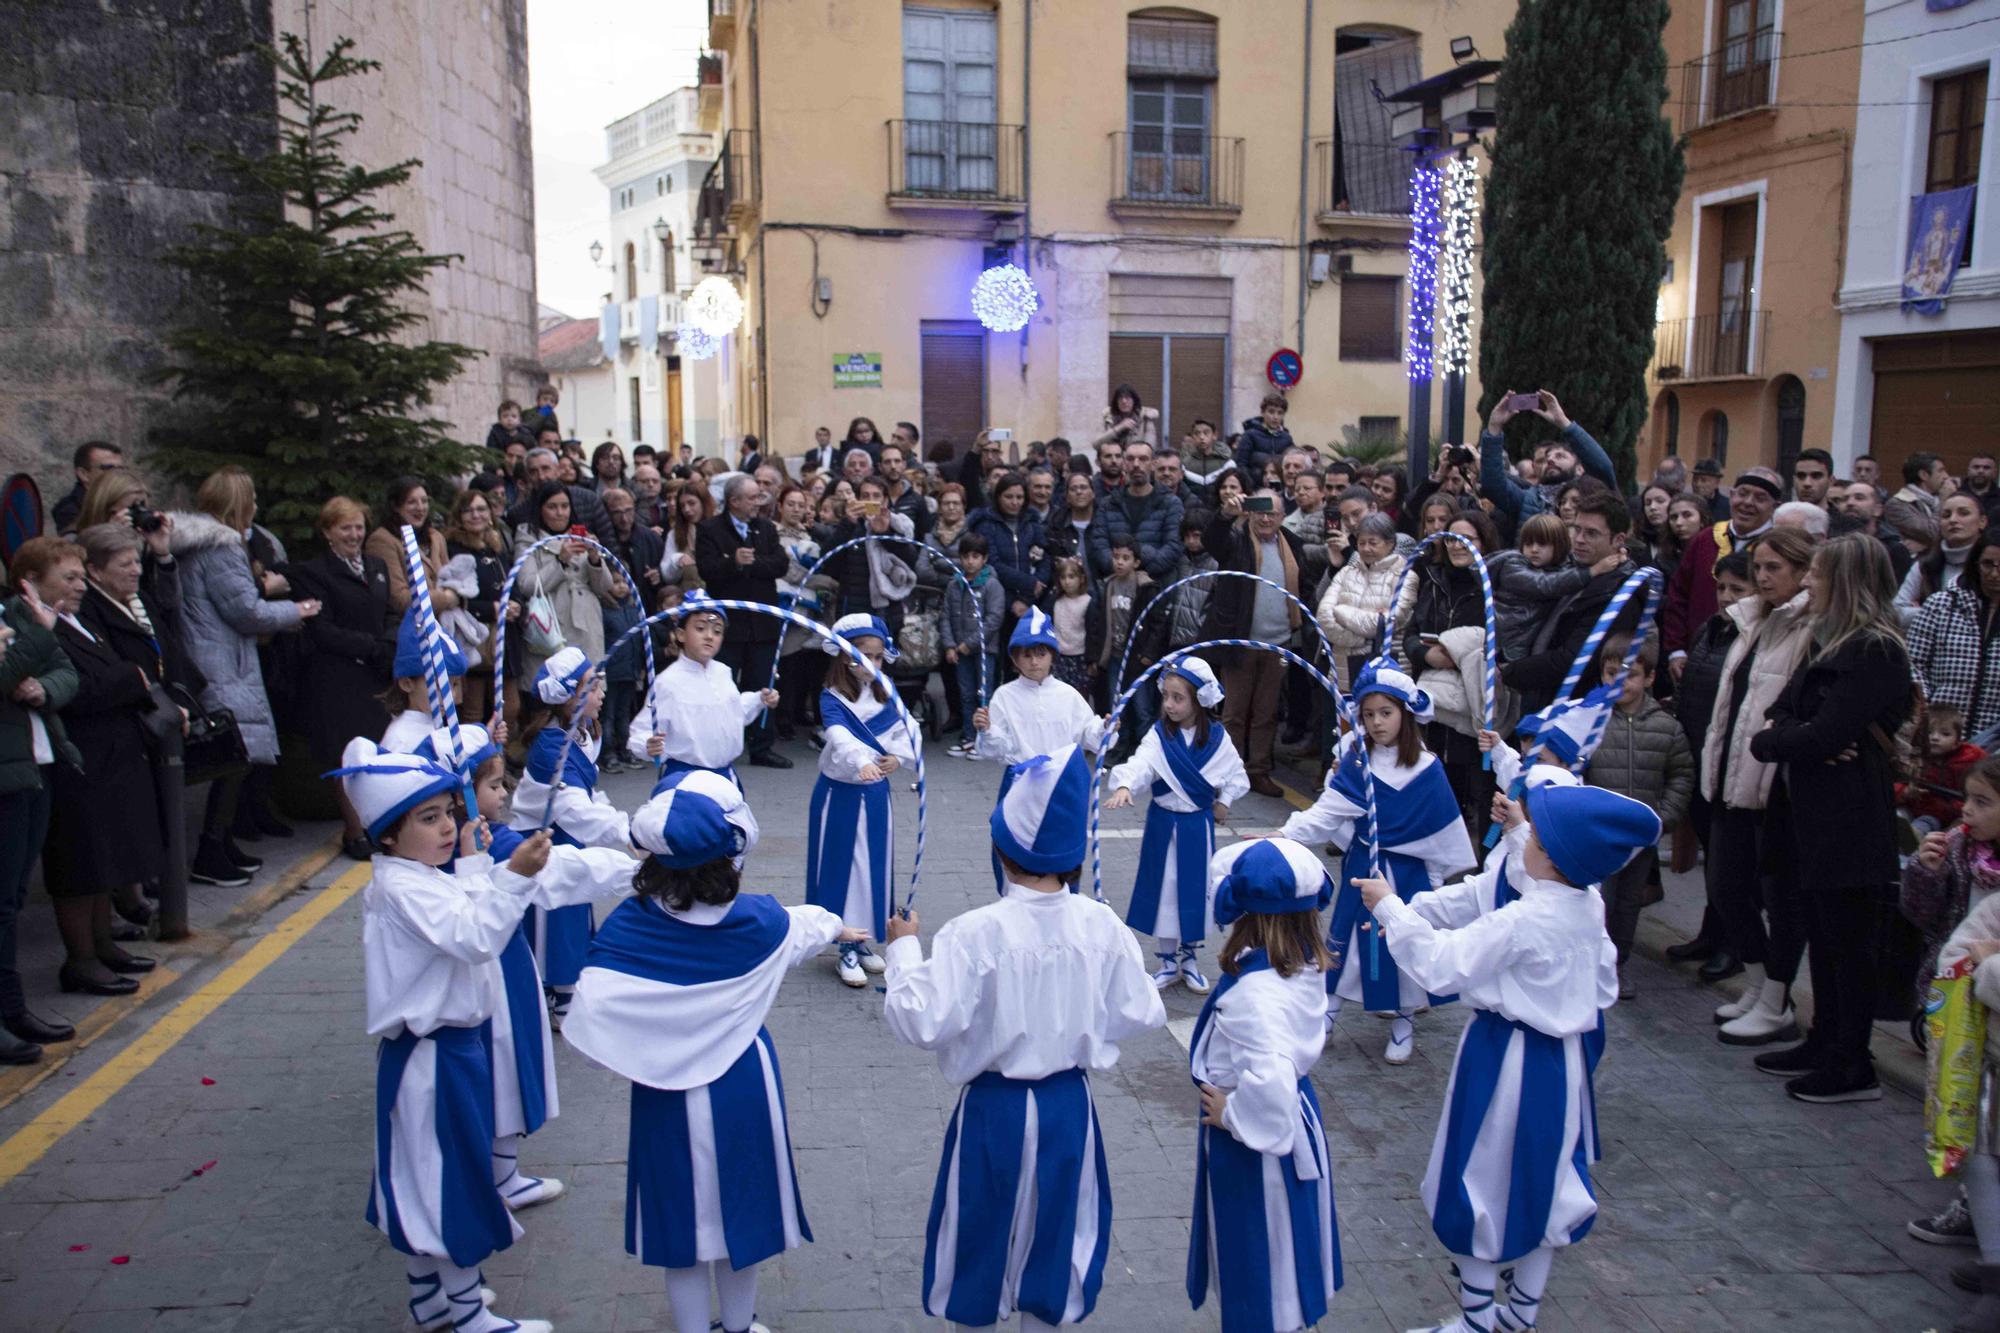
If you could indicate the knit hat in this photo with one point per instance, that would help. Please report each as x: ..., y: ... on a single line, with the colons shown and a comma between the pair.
x: 410, y: 649
x: 696, y: 600
x: 1383, y: 676
x: 1269, y: 876
x: 561, y: 675
x: 702, y: 817
x: 857, y: 627
x: 1039, y: 821
x: 473, y: 740
x: 1207, y: 689
x: 1590, y: 832
x: 383, y: 786
x: 1034, y: 629
x: 1565, y: 727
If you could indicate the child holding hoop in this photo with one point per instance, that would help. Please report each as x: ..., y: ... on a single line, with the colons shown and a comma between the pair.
x: 1422, y: 840
x: 408, y: 696
x: 1195, y: 775
x: 694, y: 701
x: 850, y: 829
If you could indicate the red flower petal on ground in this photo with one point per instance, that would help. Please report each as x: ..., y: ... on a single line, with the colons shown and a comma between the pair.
x: 204, y: 1168
x: 78, y: 1249
x: 121, y: 1259
x: 207, y: 1082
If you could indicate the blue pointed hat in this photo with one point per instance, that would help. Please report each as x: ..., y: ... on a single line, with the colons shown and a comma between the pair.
x: 410, y: 649
x: 1383, y: 676
x: 1034, y: 629
x: 472, y: 739
x: 1590, y: 832
x: 383, y: 786
x: 1269, y: 876
x: 1564, y: 728
x: 1039, y: 821
x: 699, y: 819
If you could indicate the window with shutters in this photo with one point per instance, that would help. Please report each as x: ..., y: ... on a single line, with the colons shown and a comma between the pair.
x: 1184, y: 375
x: 1957, y: 133
x: 1370, y: 171
x: 631, y: 272
x: 1369, y: 327
x: 667, y: 265
x: 635, y: 407
x: 1372, y: 429
x: 950, y: 144
x: 953, y: 404
x: 1170, y: 69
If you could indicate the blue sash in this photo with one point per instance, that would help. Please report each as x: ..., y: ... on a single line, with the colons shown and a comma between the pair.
x: 671, y: 771
x: 578, y: 770
x: 642, y: 939
x: 1407, y: 815
x: 841, y: 812
x: 834, y: 712
x: 1192, y: 836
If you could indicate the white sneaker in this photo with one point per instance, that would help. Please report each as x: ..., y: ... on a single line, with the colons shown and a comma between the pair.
x: 1753, y: 986
x: 1398, y: 1051
x: 849, y: 969
x: 1769, y: 1019
x: 1453, y: 1326
x: 1192, y: 977
x: 959, y: 750
x: 530, y: 1325
x: 1168, y: 971
x: 531, y: 1190
x: 872, y: 962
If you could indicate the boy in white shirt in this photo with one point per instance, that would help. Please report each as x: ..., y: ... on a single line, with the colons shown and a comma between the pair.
x: 694, y: 715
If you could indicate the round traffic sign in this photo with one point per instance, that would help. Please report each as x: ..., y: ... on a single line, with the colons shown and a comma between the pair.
x: 1285, y: 368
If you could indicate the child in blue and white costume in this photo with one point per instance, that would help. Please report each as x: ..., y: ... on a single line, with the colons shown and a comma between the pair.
x: 1022, y: 1000
x: 1263, y: 1201
x: 411, y: 726
x: 850, y: 828
x: 524, y: 1062
x: 1195, y: 775
x: 1034, y: 713
x: 1509, y: 1176
x: 694, y: 716
x: 565, y: 690
x: 1423, y: 840
x: 431, y: 941
x: 673, y: 997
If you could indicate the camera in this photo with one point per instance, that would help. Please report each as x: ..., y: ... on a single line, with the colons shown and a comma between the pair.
x: 145, y: 519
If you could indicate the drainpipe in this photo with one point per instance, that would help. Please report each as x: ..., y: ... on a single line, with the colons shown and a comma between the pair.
x: 1027, y: 162
x: 1305, y: 152
x: 757, y: 174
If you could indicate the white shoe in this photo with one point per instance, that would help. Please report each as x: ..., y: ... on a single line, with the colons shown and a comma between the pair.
x: 531, y: 1325
x: 1168, y: 972
x: 530, y: 1191
x: 1454, y: 1326
x: 872, y: 963
x: 849, y: 969
x: 1753, y: 979
x: 1399, y: 1050
x: 443, y: 1321
x: 1769, y: 1019
x: 1191, y: 976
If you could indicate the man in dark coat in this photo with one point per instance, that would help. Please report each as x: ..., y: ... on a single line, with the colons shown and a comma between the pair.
x: 1597, y: 540
x: 1252, y: 680
x: 1141, y: 511
x: 740, y: 560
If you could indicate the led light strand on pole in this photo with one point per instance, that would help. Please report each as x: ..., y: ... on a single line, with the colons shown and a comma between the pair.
x: 695, y: 342
x: 1459, y: 222
x: 1424, y: 225
x: 1004, y: 298
x: 714, y: 306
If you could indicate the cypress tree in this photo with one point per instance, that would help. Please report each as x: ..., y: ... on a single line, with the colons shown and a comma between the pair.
x: 303, y: 367
x: 1586, y: 173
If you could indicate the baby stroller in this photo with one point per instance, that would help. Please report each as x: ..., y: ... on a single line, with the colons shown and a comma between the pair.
x: 919, y: 643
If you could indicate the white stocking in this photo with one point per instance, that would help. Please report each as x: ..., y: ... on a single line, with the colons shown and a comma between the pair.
x: 735, y: 1295
x: 1526, y: 1278
x: 687, y: 1297
x: 1477, y: 1281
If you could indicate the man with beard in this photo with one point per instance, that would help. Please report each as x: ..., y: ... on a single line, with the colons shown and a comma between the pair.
x: 1573, y: 454
x: 1862, y: 504
x: 1691, y: 596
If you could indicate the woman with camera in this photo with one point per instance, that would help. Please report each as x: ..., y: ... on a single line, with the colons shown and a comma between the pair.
x: 564, y: 587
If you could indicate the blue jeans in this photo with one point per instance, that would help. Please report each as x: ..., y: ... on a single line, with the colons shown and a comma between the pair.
x: 968, y: 692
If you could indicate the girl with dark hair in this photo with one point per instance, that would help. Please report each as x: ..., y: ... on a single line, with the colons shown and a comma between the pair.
x: 1952, y: 644
x: 1015, y: 545
x: 409, y: 505
x: 1127, y: 420
x: 1961, y: 521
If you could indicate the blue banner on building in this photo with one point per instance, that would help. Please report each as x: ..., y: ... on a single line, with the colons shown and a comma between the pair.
x: 607, y: 332
x: 649, y: 324
x: 1937, y: 240
x: 1939, y: 6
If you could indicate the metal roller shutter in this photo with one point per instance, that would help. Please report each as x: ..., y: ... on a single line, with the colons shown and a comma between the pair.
x: 954, y: 383
x: 1937, y: 393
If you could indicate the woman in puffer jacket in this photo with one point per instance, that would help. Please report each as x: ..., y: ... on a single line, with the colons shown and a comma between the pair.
x: 1748, y: 845
x: 1356, y: 601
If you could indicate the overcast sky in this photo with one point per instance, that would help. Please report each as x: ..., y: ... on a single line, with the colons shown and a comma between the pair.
x: 590, y: 62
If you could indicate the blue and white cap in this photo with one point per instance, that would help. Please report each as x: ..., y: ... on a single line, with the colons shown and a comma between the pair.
x: 1590, y: 832
x: 1039, y: 821
x: 701, y: 818
x: 1565, y: 727
x: 1033, y: 630
x: 472, y: 739
x: 383, y: 786
x: 856, y: 627
x: 696, y: 600
x: 560, y: 677
x: 1269, y: 876
x: 410, y: 649
x: 1383, y: 676
x: 1199, y: 674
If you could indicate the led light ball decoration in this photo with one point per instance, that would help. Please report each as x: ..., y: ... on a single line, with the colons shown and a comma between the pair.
x: 1424, y: 230
x: 695, y: 342
x: 1004, y: 299
x: 1460, y: 223
x: 715, y: 306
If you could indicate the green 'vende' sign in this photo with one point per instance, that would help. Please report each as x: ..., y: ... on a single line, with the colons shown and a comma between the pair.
x: 857, y: 370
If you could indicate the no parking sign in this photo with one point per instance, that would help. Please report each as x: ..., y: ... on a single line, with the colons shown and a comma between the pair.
x: 1285, y: 368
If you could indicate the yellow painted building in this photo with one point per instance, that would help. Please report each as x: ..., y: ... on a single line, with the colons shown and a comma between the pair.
x: 1190, y: 189
x: 1748, y: 344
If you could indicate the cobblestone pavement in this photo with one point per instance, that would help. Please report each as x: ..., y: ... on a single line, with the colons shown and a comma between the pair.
x: 221, y: 1187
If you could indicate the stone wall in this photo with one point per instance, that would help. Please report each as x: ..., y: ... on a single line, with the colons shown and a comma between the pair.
x: 103, y: 107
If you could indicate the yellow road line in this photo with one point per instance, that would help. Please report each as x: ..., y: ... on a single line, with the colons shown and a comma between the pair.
x: 1297, y: 801
x: 19, y: 1080
x: 77, y: 1105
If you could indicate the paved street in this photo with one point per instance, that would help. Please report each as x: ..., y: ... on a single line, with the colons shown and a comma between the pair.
x: 220, y: 1186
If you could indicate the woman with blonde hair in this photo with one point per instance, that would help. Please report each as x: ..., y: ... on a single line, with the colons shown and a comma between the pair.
x: 478, y: 533
x: 224, y: 611
x: 1830, y: 733
x: 111, y: 497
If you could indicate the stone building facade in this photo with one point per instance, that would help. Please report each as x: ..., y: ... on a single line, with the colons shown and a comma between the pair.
x: 103, y: 113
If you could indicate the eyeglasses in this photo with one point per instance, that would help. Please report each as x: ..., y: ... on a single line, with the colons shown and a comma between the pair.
x: 1989, y: 566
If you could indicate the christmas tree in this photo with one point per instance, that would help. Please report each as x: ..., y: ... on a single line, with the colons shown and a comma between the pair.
x: 303, y: 369
x: 1586, y: 173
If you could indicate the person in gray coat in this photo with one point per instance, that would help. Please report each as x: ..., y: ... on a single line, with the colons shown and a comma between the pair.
x: 224, y: 613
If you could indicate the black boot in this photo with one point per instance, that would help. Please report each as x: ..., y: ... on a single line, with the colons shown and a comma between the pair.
x: 241, y: 859
x: 212, y: 865
x: 1721, y: 965
x: 14, y: 1051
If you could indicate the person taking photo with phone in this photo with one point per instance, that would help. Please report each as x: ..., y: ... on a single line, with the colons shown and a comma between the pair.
x: 1573, y: 455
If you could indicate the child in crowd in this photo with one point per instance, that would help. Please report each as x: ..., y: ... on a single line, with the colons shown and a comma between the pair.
x: 1422, y: 840
x: 1934, y: 800
x: 673, y: 997
x: 1643, y: 754
x: 1033, y: 713
x: 1071, y: 611
x: 507, y: 428
x: 851, y: 829
x: 971, y: 638
x: 431, y: 941
x: 408, y: 699
x: 564, y: 696
x: 1195, y: 775
x: 1263, y: 1196
x: 1976, y: 941
x: 1115, y: 608
x: 1021, y: 1000
x: 694, y: 703
x: 1528, y: 583
x: 1509, y: 1175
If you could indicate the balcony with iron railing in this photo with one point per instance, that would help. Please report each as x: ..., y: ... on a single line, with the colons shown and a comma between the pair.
x: 1711, y: 347
x: 667, y: 316
x: 955, y: 164
x: 721, y: 22
x: 1739, y: 77
x: 1361, y: 188
x: 1169, y: 173
x: 728, y: 193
